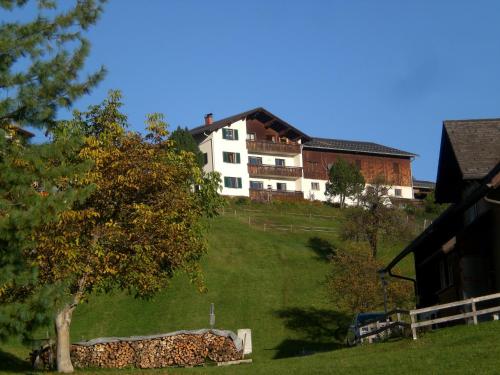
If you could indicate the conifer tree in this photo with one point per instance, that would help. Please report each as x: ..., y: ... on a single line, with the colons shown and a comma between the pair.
x: 183, y: 140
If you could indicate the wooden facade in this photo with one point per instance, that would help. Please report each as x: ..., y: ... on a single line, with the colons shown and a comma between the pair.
x: 273, y: 148
x: 396, y: 171
x: 262, y: 170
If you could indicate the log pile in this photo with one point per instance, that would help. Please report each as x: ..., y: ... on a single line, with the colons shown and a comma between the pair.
x: 181, y: 350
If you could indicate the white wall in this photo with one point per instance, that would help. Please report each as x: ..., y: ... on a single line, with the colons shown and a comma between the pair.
x: 206, y: 147
x: 271, y: 159
x: 291, y: 185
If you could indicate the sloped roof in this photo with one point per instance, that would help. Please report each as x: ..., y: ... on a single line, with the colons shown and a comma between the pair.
x: 424, y: 184
x: 355, y: 146
x: 469, y: 150
x: 261, y: 113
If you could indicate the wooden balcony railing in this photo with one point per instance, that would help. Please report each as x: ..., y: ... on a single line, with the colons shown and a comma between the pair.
x: 262, y: 170
x: 266, y: 195
x: 268, y: 147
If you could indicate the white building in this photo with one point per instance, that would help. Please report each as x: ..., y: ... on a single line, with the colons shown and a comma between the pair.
x: 263, y: 157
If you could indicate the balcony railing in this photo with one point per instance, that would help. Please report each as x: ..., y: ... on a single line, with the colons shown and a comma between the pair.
x: 268, y: 147
x: 265, y: 195
x: 262, y: 170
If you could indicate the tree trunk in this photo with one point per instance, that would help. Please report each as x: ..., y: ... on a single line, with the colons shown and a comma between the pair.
x: 63, y: 321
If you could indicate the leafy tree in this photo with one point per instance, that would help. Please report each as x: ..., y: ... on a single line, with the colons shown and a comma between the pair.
x: 355, y: 286
x: 183, y: 140
x: 431, y: 207
x: 140, y: 225
x: 40, y: 61
x: 376, y: 217
x: 345, y: 181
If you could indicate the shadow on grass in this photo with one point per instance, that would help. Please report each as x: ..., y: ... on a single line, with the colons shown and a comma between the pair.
x: 11, y: 363
x: 323, y: 248
x: 316, y: 330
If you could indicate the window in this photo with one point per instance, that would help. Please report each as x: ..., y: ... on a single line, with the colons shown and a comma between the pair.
x: 283, y: 140
x: 231, y: 134
x: 271, y: 138
x: 231, y: 157
x: 281, y: 186
x: 251, y: 136
x: 358, y: 164
x: 232, y: 182
x: 255, y: 160
x: 280, y: 162
x: 314, y: 185
x: 258, y: 185
x: 397, y: 192
x: 395, y: 168
x: 205, y: 158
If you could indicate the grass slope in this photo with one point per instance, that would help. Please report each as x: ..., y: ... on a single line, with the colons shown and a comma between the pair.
x: 271, y: 281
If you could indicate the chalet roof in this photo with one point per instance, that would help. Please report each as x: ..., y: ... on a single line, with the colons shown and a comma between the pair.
x: 469, y: 150
x: 355, y: 146
x: 271, y: 120
x: 424, y: 184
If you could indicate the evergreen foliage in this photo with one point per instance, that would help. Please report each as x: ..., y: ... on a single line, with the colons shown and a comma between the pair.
x: 345, y: 181
x: 184, y: 141
x: 40, y: 61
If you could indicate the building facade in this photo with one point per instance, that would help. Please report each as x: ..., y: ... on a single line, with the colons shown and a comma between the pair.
x: 263, y: 157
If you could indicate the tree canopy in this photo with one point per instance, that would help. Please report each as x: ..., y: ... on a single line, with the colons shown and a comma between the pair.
x: 183, y: 140
x: 344, y: 180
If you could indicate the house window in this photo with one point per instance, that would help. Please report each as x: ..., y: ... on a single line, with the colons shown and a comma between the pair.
x: 254, y: 160
x: 280, y: 162
x: 283, y: 140
x: 257, y: 185
x: 395, y: 168
x: 231, y: 157
x: 398, y: 192
x: 358, y: 164
x: 232, y: 182
x: 230, y: 134
x: 271, y: 138
x: 314, y: 185
x: 281, y: 186
x: 251, y: 136
x: 205, y: 158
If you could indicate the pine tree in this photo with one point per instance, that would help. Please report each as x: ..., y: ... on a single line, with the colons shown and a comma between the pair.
x: 183, y: 140
x: 40, y: 61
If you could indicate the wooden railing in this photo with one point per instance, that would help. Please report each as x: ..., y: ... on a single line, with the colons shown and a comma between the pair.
x: 265, y: 195
x: 274, y: 171
x: 268, y: 147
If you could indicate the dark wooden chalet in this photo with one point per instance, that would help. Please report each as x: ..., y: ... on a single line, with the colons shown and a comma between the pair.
x: 458, y: 256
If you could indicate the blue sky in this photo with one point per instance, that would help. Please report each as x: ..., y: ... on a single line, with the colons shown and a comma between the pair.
x: 382, y: 71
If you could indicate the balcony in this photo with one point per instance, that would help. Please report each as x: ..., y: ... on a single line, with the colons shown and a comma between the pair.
x: 267, y: 195
x: 268, y: 147
x: 263, y: 170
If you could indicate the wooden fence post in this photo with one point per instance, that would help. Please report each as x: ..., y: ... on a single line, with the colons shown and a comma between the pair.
x: 474, y: 315
x: 291, y: 227
x: 264, y: 227
x: 413, y: 328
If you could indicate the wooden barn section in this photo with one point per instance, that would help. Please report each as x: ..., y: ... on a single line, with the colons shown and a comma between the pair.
x: 458, y: 256
x: 372, y: 159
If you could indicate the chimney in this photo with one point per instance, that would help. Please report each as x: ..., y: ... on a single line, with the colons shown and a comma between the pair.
x: 208, y: 119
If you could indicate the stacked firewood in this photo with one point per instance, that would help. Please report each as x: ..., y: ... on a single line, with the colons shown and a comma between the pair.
x: 182, y: 350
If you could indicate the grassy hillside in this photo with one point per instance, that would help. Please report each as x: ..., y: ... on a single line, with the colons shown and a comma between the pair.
x: 265, y: 278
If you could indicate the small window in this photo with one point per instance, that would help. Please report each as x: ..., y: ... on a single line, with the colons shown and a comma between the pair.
x: 231, y: 157
x: 395, y: 168
x: 314, y: 185
x: 280, y: 162
x: 271, y: 138
x: 358, y: 164
x: 205, y: 158
x: 232, y: 182
x: 283, y: 140
x: 281, y: 186
x: 254, y: 160
x: 257, y: 185
x: 251, y: 136
x: 398, y: 192
x: 230, y: 134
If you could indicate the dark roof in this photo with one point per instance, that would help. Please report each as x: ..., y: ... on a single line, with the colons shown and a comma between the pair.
x: 424, y: 184
x: 469, y: 150
x: 355, y: 146
x: 260, y: 113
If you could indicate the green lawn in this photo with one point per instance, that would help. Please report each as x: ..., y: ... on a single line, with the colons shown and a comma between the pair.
x: 271, y: 281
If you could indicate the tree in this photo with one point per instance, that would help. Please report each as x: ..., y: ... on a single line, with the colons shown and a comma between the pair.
x: 354, y: 284
x: 139, y: 226
x: 183, y: 140
x: 40, y: 61
x: 345, y: 181
x: 376, y: 216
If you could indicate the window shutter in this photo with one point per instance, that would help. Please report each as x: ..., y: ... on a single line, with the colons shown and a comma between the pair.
x: 239, y: 182
x: 227, y: 181
x: 224, y: 133
x: 225, y: 159
x: 235, y: 134
x: 238, y: 159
